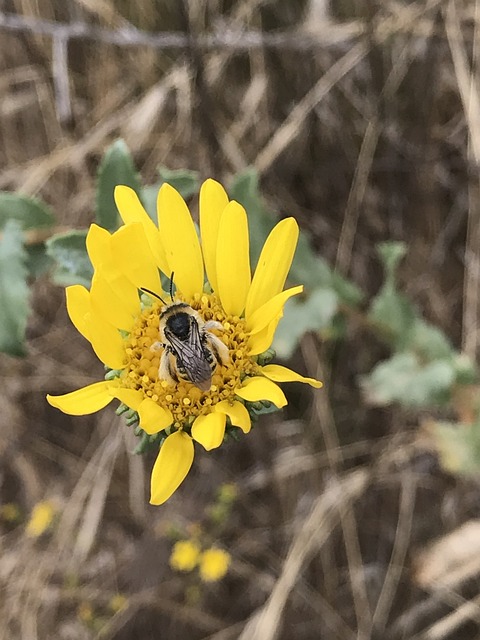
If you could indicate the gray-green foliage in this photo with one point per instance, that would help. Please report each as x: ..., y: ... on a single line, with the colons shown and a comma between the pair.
x: 30, y: 213
x: 423, y: 366
x: 186, y: 182
x: 422, y: 370
x: 116, y: 168
x: 14, y: 294
x: 72, y: 264
x: 245, y: 190
x: 324, y: 289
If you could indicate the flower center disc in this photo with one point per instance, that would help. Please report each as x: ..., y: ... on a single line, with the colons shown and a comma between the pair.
x: 184, y: 399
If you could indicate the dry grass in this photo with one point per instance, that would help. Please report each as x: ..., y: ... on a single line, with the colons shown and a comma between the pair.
x: 363, y: 122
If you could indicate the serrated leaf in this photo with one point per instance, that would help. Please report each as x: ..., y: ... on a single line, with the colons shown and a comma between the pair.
x: 186, y: 182
x: 404, y: 379
x: 29, y: 212
x: 314, y: 314
x: 69, y: 252
x: 14, y: 304
x: 245, y: 190
x: 116, y: 168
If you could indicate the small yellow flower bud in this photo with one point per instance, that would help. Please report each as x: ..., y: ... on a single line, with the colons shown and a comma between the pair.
x: 184, y: 556
x: 40, y: 519
x: 214, y: 564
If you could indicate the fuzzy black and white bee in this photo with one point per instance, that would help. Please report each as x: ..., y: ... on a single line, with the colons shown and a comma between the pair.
x: 190, y: 351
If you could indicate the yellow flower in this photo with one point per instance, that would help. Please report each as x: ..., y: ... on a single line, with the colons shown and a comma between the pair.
x: 214, y: 564
x: 184, y: 556
x: 123, y: 328
x: 40, y: 519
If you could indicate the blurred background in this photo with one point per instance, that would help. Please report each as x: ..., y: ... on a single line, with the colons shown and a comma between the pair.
x: 352, y: 513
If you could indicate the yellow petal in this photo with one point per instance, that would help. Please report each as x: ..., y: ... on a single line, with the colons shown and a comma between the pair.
x: 237, y: 413
x: 233, y: 259
x: 209, y: 430
x: 153, y: 417
x: 98, y: 245
x: 171, y: 466
x: 271, y: 310
x: 109, y: 305
x: 273, y: 265
x: 262, y: 340
x: 131, y: 397
x: 78, y: 307
x: 213, y: 200
x: 277, y: 373
x: 83, y: 401
x: 107, y: 342
x: 132, y: 210
x: 122, y: 287
x: 179, y: 237
x: 133, y: 257
x: 259, y: 388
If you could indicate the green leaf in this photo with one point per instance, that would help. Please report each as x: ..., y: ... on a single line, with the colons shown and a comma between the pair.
x: 465, y: 370
x: 245, y: 190
x: 458, y: 446
x: 149, y: 200
x: 390, y: 254
x: 393, y: 313
x: 14, y: 304
x: 313, y: 271
x: 116, y: 168
x: 307, y: 268
x: 73, y: 265
x: 404, y: 379
x: 314, y: 314
x: 347, y: 291
x: 429, y: 342
x: 390, y: 309
x: 186, y: 182
x: 38, y: 262
x: 30, y: 213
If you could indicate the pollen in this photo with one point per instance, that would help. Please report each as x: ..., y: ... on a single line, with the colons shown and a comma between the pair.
x: 183, y: 399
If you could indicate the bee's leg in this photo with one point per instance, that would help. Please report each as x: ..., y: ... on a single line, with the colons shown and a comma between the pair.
x: 156, y: 346
x: 213, y: 324
x: 220, y: 350
x: 165, y: 370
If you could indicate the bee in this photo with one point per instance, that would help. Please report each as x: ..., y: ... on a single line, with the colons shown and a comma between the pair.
x: 190, y: 351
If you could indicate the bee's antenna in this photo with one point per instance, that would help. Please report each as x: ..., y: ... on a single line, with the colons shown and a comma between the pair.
x: 171, y: 286
x: 152, y: 293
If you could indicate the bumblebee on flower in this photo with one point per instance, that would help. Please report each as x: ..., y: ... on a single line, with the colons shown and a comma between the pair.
x: 192, y: 365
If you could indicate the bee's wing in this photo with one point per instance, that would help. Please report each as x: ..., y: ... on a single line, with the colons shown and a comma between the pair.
x: 191, y: 356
